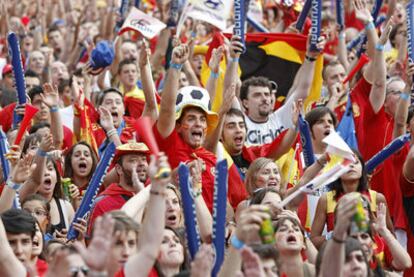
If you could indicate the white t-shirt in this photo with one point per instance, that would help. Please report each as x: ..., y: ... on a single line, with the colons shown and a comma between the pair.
x: 266, y: 132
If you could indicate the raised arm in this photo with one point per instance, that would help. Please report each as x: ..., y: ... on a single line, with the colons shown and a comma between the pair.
x: 166, y: 120
x: 148, y: 86
x: 377, y: 94
x: 235, y: 49
x: 213, y: 138
x: 304, y: 77
x: 400, y: 258
x: 334, y: 256
x: 401, y: 112
x: 50, y: 97
x: 214, y: 65
x: 151, y: 235
x: 342, y: 51
x: 108, y: 125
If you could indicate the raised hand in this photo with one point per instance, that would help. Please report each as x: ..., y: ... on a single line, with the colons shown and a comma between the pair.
x: 386, y: 32
x: 320, y: 45
x: 196, y: 170
x: 229, y: 95
x: 105, y: 119
x: 144, y: 55
x: 180, y: 54
x: 337, y: 90
x: 249, y: 222
x: 236, y: 47
x: 23, y: 169
x: 216, y: 56
x: 251, y: 263
x: 345, y: 210
x: 156, y: 165
x: 50, y: 95
x: 136, y: 183
x: 81, y: 226
x: 46, y: 144
x: 203, y: 263
x: 362, y: 12
x: 96, y: 255
x: 380, y: 224
x: 296, y: 109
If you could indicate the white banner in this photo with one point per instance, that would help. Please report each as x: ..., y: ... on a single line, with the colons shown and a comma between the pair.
x: 139, y: 21
x: 215, y: 12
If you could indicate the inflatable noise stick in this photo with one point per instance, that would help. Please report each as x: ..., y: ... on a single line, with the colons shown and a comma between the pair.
x: 143, y: 127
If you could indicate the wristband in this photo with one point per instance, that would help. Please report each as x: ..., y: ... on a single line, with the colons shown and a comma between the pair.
x: 369, y: 26
x: 328, y: 236
x: 340, y: 241
x: 93, y: 273
x: 310, y: 58
x: 54, y: 109
x: 176, y: 66
x: 236, y: 243
x: 197, y: 193
x: 111, y: 132
x: 379, y: 47
x: 41, y: 153
x: 214, y: 75
x: 158, y: 193
x: 13, y: 186
x: 404, y: 96
x: 235, y: 60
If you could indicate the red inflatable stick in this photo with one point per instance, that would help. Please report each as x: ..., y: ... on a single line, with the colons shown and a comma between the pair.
x: 29, y: 113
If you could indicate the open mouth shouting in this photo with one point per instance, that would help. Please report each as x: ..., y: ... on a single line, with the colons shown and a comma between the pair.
x: 291, y: 239
x: 171, y: 220
x: 197, y: 135
x: 83, y: 167
x: 239, y: 141
x: 47, y: 183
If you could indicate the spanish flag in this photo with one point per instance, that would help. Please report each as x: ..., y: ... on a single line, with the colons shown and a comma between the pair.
x: 275, y: 56
x: 87, y: 115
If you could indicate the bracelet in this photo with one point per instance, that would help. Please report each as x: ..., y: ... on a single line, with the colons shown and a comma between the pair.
x: 379, y: 47
x: 197, y: 193
x: 176, y: 66
x: 111, y: 132
x: 369, y: 26
x: 235, y: 60
x: 54, y: 109
x: 236, y: 243
x: 320, y: 163
x: 158, y: 193
x: 335, y: 239
x: 41, y: 153
x: 93, y: 273
x: 214, y: 75
x: 310, y: 58
x: 404, y: 96
x: 13, y: 186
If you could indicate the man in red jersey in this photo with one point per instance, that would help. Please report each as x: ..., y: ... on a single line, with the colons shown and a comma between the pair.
x: 131, y: 167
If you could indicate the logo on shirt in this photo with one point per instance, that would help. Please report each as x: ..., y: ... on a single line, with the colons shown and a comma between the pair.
x: 263, y: 136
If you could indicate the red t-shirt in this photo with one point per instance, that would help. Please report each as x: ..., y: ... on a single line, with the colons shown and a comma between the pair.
x: 41, y: 267
x: 113, y: 198
x: 178, y: 151
x: 121, y: 273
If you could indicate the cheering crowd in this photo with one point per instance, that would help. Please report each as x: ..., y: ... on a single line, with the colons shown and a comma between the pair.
x: 100, y: 99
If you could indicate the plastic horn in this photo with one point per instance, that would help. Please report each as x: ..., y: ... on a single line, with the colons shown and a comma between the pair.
x: 258, y: 26
x: 315, y: 31
x: 303, y: 15
x: 239, y: 18
x: 361, y: 62
x: 305, y: 138
x: 173, y: 13
x: 340, y: 14
x: 14, y: 50
x: 190, y: 216
x: 122, y: 11
x: 143, y: 126
x: 219, y: 214
x: 93, y: 187
x: 386, y: 152
x: 29, y: 113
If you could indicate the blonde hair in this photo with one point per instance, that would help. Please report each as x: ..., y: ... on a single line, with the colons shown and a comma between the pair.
x: 251, y: 174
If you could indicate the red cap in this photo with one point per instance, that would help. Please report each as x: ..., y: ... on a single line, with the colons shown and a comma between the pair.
x: 6, y: 69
